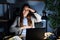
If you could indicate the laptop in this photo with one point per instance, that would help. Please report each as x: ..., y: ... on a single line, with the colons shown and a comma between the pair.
x: 35, y: 34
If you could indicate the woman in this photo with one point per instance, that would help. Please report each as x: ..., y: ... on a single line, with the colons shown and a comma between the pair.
x: 26, y: 20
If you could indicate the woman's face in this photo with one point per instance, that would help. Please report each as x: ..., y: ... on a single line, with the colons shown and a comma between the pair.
x: 25, y: 11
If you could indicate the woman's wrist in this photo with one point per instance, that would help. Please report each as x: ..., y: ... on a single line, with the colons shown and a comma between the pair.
x: 34, y: 12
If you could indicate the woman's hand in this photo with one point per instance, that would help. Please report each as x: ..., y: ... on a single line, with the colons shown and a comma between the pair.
x: 27, y: 8
x: 26, y: 27
x: 32, y: 10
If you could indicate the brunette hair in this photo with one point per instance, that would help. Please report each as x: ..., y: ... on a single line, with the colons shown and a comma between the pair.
x: 28, y: 16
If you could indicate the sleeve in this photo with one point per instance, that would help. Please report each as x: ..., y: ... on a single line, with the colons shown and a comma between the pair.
x: 13, y: 26
x: 38, y: 17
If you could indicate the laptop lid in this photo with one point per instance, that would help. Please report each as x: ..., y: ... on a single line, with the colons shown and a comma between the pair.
x: 35, y: 34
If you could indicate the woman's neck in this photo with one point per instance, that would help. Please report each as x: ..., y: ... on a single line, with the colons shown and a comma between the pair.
x: 24, y: 16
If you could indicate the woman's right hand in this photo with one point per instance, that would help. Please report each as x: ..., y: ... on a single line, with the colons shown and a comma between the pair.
x: 26, y: 27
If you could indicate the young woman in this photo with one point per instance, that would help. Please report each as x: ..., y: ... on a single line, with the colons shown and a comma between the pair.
x: 27, y: 18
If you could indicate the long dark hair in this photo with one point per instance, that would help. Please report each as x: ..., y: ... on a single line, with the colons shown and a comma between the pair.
x: 30, y: 14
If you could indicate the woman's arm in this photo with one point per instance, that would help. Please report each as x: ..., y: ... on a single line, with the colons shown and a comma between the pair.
x: 38, y: 17
x: 13, y: 26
